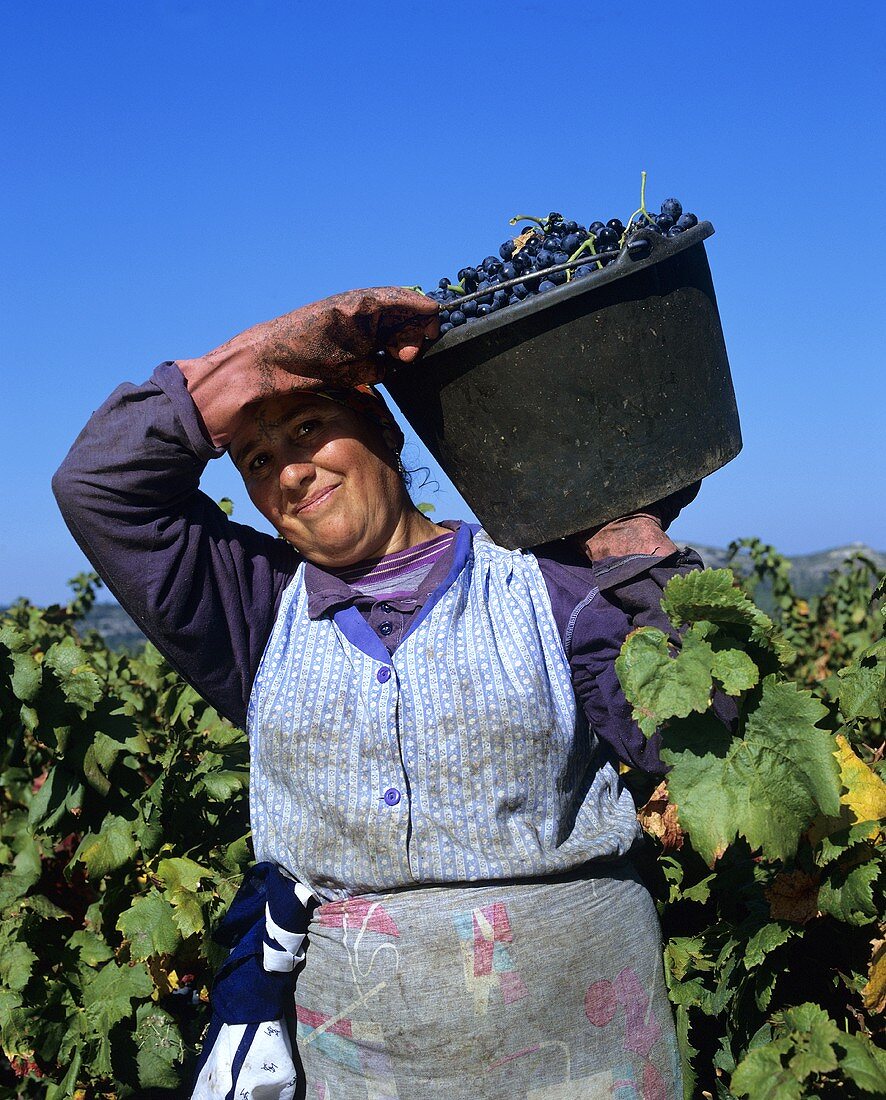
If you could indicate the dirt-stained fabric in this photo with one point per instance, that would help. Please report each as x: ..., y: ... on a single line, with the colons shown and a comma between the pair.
x: 548, y: 990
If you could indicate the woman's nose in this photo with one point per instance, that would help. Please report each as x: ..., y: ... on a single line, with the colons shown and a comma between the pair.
x: 294, y: 474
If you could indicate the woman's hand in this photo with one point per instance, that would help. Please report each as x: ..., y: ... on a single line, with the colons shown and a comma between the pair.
x: 339, y: 341
x: 640, y: 533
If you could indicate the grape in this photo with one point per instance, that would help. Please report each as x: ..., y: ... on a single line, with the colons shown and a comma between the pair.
x: 546, y: 244
x: 468, y: 278
x: 673, y: 208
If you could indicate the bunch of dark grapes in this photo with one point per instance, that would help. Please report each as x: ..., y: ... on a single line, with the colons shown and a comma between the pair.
x: 523, y: 263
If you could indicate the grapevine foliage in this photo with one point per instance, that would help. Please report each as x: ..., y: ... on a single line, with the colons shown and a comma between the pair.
x: 123, y: 838
x: 769, y: 877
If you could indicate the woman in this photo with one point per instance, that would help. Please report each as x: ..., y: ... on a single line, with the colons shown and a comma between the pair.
x: 434, y: 720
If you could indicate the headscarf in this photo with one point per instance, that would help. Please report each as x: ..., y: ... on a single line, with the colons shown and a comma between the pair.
x: 367, y: 401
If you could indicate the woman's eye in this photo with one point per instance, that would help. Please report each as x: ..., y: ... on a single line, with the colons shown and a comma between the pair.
x: 258, y: 463
x: 306, y: 427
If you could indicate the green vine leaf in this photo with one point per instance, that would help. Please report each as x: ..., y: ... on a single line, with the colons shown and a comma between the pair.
x: 79, y: 682
x: 27, y: 673
x: 735, y: 670
x: 808, y: 1044
x: 61, y: 793
x: 766, y: 939
x: 16, y: 958
x: 109, y: 849
x: 108, y: 994
x: 765, y: 785
x: 160, y: 1048
x: 660, y: 686
x: 847, y: 893
x: 712, y: 595
x: 149, y: 928
x: 90, y: 946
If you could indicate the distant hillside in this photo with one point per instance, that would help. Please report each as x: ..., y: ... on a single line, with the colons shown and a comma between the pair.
x: 809, y: 573
x: 115, y: 626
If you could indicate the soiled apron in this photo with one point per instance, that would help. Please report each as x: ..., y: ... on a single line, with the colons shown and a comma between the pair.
x: 549, y: 990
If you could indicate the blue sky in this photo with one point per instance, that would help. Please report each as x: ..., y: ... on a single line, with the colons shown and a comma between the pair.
x: 175, y: 172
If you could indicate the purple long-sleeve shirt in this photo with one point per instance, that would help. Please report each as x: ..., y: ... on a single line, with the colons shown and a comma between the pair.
x: 205, y: 589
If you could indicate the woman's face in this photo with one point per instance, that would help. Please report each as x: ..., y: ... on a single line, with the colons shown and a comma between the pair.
x: 325, y: 478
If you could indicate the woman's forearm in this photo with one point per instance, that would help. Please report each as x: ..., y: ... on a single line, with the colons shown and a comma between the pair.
x: 201, y: 588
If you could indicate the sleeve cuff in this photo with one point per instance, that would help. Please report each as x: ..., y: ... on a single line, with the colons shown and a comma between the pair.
x: 172, y: 382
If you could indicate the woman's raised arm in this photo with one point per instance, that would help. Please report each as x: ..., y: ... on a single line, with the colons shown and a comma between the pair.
x: 202, y: 588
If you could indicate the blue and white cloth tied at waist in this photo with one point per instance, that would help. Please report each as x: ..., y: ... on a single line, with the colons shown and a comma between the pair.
x: 247, y: 1050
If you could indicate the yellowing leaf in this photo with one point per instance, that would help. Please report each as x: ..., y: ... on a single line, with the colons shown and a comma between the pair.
x: 874, y: 993
x: 865, y: 791
x: 164, y: 981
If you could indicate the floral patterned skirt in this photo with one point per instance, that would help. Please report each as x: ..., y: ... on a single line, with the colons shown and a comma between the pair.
x: 549, y: 990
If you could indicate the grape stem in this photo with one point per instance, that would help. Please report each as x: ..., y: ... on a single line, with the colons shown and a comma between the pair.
x: 641, y: 210
x: 527, y: 218
x: 587, y: 245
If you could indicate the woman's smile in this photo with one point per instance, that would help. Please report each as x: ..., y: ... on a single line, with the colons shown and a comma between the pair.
x: 313, y: 502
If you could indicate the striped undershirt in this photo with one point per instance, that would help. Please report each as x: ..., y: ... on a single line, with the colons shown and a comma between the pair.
x: 400, y: 574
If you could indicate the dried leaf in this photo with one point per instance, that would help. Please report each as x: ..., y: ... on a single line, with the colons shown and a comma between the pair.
x: 522, y: 240
x: 659, y: 817
x: 793, y: 896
